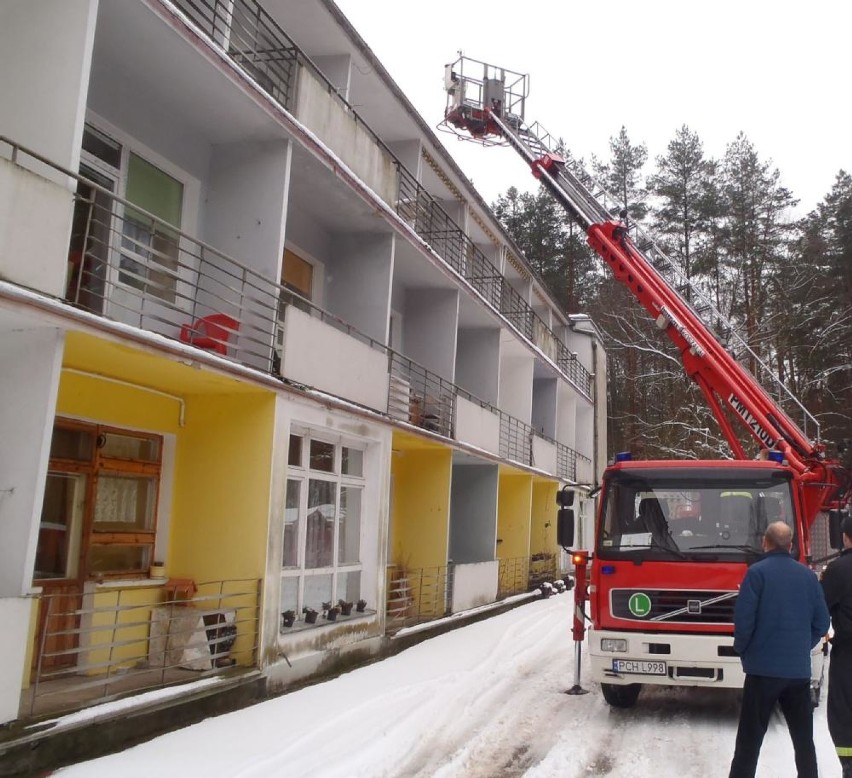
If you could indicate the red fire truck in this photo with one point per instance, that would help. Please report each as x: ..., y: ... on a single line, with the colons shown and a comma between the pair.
x: 672, y: 538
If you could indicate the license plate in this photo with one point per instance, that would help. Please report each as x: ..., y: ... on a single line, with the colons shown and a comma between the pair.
x: 638, y: 667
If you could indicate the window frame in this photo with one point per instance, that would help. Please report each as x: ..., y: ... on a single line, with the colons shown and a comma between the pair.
x: 303, y: 474
x: 93, y: 468
x: 189, y: 211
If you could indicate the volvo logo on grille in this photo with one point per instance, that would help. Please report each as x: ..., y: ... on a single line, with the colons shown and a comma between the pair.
x: 693, y: 606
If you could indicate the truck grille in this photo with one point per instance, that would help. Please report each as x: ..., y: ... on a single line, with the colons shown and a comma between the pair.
x: 674, y: 606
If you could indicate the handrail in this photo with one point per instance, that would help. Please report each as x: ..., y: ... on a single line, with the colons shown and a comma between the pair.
x: 132, y: 264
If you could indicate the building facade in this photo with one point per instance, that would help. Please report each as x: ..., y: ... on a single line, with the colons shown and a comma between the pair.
x: 275, y: 381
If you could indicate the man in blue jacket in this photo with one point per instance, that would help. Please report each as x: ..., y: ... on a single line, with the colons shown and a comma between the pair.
x: 779, y: 617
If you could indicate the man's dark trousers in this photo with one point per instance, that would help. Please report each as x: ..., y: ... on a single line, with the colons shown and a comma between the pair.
x: 759, y: 697
x: 839, y: 709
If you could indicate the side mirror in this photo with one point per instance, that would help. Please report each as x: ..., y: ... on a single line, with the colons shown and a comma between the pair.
x: 565, y: 527
x: 565, y: 517
x: 835, y: 529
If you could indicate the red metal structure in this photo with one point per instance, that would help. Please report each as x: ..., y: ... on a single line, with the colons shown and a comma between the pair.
x: 672, y: 537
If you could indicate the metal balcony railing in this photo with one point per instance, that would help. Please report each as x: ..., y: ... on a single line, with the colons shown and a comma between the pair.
x: 523, y: 574
x: 252, y: 38
x: 417, y: 595
x: 94, y: 647
x: 421, y: 397
x: 127, y: 265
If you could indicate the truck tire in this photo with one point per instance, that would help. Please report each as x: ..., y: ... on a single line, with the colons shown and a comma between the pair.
x: 621, y: 696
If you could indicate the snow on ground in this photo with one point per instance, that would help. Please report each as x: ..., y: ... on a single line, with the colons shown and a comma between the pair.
x: 486, y: 700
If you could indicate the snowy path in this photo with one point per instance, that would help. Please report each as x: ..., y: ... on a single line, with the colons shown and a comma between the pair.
x: 485, y: 700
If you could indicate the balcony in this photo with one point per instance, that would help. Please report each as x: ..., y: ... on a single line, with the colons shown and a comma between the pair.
x: 255, y: 42
x: 126, y: 265
x: 115, y: 641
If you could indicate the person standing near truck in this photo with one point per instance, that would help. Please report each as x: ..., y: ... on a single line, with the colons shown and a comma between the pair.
x: 779, y: 617
x: 837, y: 585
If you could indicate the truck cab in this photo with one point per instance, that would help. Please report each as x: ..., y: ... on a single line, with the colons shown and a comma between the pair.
x: 673, y: 541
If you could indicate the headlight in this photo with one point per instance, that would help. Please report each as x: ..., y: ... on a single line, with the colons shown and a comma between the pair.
x: 614, y: 645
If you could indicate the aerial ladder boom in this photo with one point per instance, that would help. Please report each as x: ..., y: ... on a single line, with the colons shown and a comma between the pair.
x: 490, y: 109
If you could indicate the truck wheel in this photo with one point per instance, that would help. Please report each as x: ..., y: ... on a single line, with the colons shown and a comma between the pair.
x: 621, y: 696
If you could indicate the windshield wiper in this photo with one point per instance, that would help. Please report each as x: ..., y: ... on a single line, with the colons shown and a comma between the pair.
x: 655, y: 544
x: 725, y: 547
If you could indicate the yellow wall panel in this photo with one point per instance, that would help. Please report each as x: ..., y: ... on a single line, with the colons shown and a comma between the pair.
x: 107, y: 402
x: 514, y: 499
x: 544, y: 508
x: 421, y: 507
x: 222, y: 488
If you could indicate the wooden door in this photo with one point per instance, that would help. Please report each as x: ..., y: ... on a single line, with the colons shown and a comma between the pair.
x: 57, y: 636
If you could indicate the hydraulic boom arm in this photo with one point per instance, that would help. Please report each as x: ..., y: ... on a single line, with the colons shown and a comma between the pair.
x: 487, y: 112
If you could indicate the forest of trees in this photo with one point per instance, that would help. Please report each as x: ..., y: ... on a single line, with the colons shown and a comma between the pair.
x: 785, y: 282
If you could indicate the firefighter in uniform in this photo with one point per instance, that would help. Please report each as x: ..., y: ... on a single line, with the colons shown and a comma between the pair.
x: 837, y: 585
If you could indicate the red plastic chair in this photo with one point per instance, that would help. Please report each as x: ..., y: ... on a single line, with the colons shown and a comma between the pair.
x: 211, y: 332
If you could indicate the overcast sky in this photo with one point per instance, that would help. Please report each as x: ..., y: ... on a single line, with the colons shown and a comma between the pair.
x: 778, y: 72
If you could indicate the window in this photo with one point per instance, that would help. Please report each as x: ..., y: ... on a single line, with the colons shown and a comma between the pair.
x: 149, y: 250
x: 100, y: 507
x: 323, y: 524
x: 297, y: 276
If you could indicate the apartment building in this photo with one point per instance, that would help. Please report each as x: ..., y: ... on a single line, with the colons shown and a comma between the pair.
x: 275, y: 381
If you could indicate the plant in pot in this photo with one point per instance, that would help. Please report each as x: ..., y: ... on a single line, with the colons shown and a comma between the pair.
x: 310, y: 615
x: 332, y: 613
x: 345, y: 607
x: 287, y: 618
x: 361, y: 606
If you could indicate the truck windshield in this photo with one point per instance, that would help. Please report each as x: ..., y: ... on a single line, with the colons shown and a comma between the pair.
x: 691, y: 516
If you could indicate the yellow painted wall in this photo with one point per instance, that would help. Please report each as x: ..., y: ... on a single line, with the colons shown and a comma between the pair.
x: 544, y: 508
x: 221, y: 493
x: 420, y: 514
x: 106, y: 402
x: 124, y: 615
x: 222, y: 488
x: 514, y: 500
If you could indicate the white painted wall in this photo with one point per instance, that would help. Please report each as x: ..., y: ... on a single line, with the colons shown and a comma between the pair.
x: 320, y: 356
x: 358, y: 282
x: 45, y: 60
x: 431, y: 322
x: 478, y: 362
x: 15, y: 616
x: 477, y: 426
x: 245, y: 217
x: 246, y: 203
x: 408, y: 153
x: 473, y: 513
x: 376, y: 438
x: 30, y: 361
x: 516, y: 383
x: 566, y: 415
x: 544, y: 406
x: 35, y: 229
x: 325, y: 115
x: 474, y: 585
x: 337, y: 68
x: 543, y: 454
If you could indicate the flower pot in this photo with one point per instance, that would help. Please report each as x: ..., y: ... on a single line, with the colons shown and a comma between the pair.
x: 361, y: 606
x: 157, y: 570
x: 345, y: 608
x: 288, y: 618
x: 332, y: 613
x: 310, y: 616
